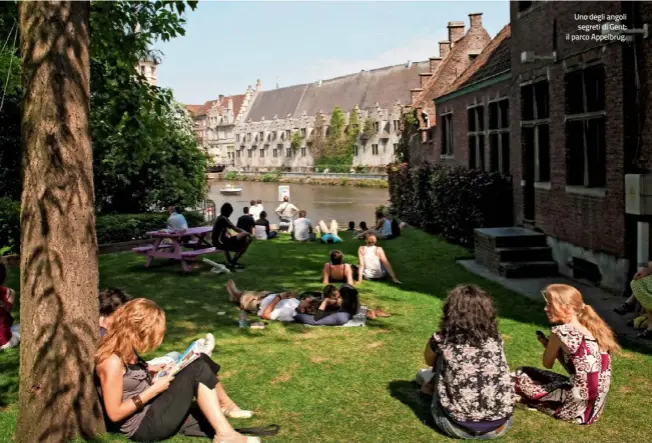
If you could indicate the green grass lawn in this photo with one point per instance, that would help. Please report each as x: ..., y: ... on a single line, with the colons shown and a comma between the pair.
x: 346, y: 385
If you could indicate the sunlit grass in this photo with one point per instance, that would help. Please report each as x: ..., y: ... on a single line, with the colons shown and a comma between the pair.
x: 341, y: 385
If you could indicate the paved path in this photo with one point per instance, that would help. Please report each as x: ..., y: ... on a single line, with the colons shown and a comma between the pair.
x: 602, y: 301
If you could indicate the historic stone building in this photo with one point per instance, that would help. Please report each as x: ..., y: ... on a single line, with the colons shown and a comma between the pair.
x: 147, y: 67
x: 455, y: 55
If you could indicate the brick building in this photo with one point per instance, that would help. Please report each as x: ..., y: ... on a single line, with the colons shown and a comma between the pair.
x: 455, y: 55
x: 574, y: 130
x: 473, y: 114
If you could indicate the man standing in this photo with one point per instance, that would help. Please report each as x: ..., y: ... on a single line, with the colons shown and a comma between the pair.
x: 259, y: 209
x: 253, y: 210
x: 246, y: 222
x: 286, y: 212
x: 303, y: 228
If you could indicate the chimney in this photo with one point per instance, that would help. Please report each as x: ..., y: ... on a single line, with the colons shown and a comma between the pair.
x: 259, y: 85
x: 475, y: 18
x: 424, y: 76
x: 414, y: 93
x: 455, y: 31
x: 434, y: 64
x: 221, y: 97
x: 444, y: 47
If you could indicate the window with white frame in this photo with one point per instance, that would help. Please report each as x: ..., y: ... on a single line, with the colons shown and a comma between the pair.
x: 475, y: 116
x: 535, y: 127
x: 499, y: 136
x: 585, y: 127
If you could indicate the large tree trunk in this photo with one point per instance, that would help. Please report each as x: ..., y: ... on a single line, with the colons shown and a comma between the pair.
x: 59, y: 272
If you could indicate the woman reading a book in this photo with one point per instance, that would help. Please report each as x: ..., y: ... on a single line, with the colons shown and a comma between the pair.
x: 146, y: 407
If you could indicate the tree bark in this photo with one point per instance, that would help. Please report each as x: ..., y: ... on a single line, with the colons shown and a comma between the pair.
x: 59, y: 269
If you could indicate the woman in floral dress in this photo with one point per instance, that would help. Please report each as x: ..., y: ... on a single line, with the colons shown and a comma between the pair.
x: 472, y: 389
x: 582, y: 343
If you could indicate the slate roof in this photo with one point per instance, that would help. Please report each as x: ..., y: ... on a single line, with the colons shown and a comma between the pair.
x: 493, y: 60
x: 366, y: 88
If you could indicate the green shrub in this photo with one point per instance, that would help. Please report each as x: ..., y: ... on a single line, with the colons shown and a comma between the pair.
x: 9, y: 226
x: 114, y: 228
x: 450, y: 202
x: 232, y: 175
x: 270, y: 177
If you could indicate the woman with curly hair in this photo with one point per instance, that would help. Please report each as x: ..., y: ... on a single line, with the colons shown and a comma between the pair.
x: 144, y: 409
x: 583, y: 343
x: 472, y: 389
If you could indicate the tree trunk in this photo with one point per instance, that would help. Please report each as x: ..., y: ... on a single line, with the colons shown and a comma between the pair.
x: 59, y: 270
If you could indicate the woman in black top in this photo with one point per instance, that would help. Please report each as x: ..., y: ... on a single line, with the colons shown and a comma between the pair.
x: 335, y: 300
x: 223, y: 240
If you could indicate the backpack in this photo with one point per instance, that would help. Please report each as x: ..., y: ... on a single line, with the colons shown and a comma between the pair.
x: 396, y: 229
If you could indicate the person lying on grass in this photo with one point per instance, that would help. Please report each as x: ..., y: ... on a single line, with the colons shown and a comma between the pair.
x: 112, y: 298
x: 471, y: 388
x: 281, y: 306
x: 338, y: 271
x: 9, y: 332
x: 582, y: 343
x: 148, y: 408
x: 224, y: 241
x: 374, y: 264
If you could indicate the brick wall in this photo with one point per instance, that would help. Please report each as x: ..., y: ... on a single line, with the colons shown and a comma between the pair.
x: 458, y: 106
x: 593, y: 222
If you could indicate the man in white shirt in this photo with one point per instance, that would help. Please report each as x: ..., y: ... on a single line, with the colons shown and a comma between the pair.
x: 281, y: 306
x: 302, y: 230
x: 258, y: 209
x: 176, y: 221
x: 286, y: 210
x: 253, y: 210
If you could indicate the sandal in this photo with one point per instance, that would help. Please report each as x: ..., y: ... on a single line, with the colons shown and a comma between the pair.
x: 623, y: 309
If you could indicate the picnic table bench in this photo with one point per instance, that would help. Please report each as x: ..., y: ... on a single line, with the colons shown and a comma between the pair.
x: 173, y: 250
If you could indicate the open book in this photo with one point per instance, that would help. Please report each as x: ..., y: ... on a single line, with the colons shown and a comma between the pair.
x: 189, y: 355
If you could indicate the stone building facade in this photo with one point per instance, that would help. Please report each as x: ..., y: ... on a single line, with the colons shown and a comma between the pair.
x: 575, y: 122
x: 148, y: 67
x: 473, y: 114
x: 455, y: 55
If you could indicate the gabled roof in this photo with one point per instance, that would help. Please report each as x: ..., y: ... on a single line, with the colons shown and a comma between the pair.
x: 222, y: 103
x: 493, y: 60
x: 279, y: 102
x: 193, y: 109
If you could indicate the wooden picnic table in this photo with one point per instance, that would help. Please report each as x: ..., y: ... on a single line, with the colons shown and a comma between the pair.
x: 198, y: 246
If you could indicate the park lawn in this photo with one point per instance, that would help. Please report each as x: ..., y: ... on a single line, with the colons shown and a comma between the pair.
x: 341, y: 385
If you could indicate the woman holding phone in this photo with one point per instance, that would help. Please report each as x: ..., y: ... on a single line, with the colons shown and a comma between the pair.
x: 144, y: 409
x: 582, y: 343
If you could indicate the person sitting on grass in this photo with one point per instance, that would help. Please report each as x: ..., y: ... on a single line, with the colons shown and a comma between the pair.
x: 246, y: 222
x: 382, y: 230
x: 336, y: 300
x: 582, y: 343
x: 9, y: 332
x: 262, y: 228
x: 374, y: 264
x: 224, y: 241
x: 471, y: 388
x: 351, y: 226
x: 302, y: 228
x: 281, y: 306
x: 338, y: 271
x: 147, y: 408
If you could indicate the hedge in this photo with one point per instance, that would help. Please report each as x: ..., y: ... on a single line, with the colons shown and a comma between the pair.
x: 450, y: 201
x: 114, y: 228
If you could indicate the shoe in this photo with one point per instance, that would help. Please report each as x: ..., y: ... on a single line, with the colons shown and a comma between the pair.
x: 206, y: 345
x: 624, y: 309
x: 238, y: 413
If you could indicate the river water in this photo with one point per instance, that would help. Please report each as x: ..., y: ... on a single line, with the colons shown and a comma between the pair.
x: 321, y: 202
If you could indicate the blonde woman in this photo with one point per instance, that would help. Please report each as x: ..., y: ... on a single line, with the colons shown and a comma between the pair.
x: 374, y: 264
x: 144, y: 409
x: 582, y: 343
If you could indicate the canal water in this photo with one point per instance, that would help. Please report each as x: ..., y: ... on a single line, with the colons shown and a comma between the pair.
x: 321, y: 202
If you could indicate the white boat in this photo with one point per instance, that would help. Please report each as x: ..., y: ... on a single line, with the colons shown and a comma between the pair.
x: 231, y: 190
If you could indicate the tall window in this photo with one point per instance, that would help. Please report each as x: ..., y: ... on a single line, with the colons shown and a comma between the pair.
x: 288, y: 133
x: 395, y: 148
x: 288, y: 152
x: 303, y: 132
x: 446, y: 134
x: 250, y: 153
x: 535, y: 127
x: 303, y: 152
x: 262, y: 153
x: 249, y: 136
x: 396, y: 125
x: 476, y: 137
x: 585, y: 127
x: 374, y: 149
x: 238, y: 154
x: 275, y: 152
x: 499, y: 136
x: 261, y: 136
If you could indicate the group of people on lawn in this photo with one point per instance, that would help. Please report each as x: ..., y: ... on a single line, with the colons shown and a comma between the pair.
x: 473, y: 392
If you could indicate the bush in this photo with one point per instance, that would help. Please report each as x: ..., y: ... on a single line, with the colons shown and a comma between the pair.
x: 450, y: 202
x: 271, y: 177
x: 232, y: 175
x: 9, y: 226
x: 113, y: 228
